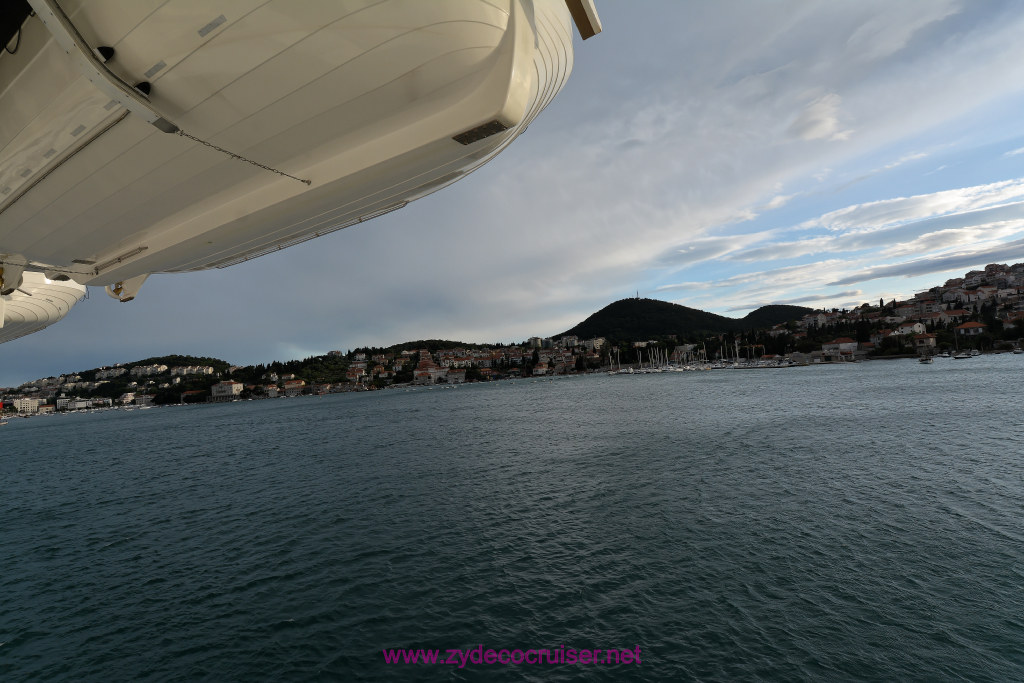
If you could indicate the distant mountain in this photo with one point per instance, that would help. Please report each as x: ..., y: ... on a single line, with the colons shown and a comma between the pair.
x: 646, y: 318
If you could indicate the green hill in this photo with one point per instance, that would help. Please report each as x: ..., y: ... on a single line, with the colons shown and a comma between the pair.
x: 769, y: 316
x: 648, y: 318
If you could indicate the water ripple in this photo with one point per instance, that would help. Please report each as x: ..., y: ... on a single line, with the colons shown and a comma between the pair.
x: 797, y: 525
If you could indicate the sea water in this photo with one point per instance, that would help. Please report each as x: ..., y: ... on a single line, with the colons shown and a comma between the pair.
x: 838, y: 522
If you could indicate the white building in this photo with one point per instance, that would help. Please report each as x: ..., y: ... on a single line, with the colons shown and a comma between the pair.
x: 910, y: 328
x: 183, y: 370
x: 148, y: 370
x: 226, y: 391
x: 27, y: 406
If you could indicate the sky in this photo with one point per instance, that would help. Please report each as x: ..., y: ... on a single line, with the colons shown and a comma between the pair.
x: 721, y: 155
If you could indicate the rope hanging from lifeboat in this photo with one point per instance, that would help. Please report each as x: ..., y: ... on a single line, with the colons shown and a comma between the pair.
x: 240, y: 157
x: 7, y: 48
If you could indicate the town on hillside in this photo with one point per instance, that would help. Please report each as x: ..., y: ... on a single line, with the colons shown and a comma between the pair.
x: 981, y: 312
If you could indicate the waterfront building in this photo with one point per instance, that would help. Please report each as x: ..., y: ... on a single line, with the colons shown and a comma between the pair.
x: 924, y: 342
x: 971, y: 329
x: 294, y: 387
x: 841, y: 348
x: 226, y: 391
x: 26, y: 406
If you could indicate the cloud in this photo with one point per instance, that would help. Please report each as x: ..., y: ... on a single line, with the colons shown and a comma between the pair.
x: 1014, y: 152
x: 997, y: 222
x: 883, y: 35
x: 959, y: 261
x: 698, y: 250
x: 905, y: 159
x: 809, y: 298
x: 777, y: 202
x: 810, y: 275
x: 888, y: 212
x: 687, y: 286
x: 820, y: 120
x: 948, y: 240
x: 786, y: 250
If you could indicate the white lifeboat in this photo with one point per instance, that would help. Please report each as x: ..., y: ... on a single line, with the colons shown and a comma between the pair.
x: 143, y: 136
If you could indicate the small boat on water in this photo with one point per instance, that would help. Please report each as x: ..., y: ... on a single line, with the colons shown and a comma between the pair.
x: 925, y: 359
x: 960, y: 355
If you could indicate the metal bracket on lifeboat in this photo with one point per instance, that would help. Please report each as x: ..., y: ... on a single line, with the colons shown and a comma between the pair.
x: 125, y: 290
x: 584, y: 15
x: 11, y: 275
x: 91, y: 63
